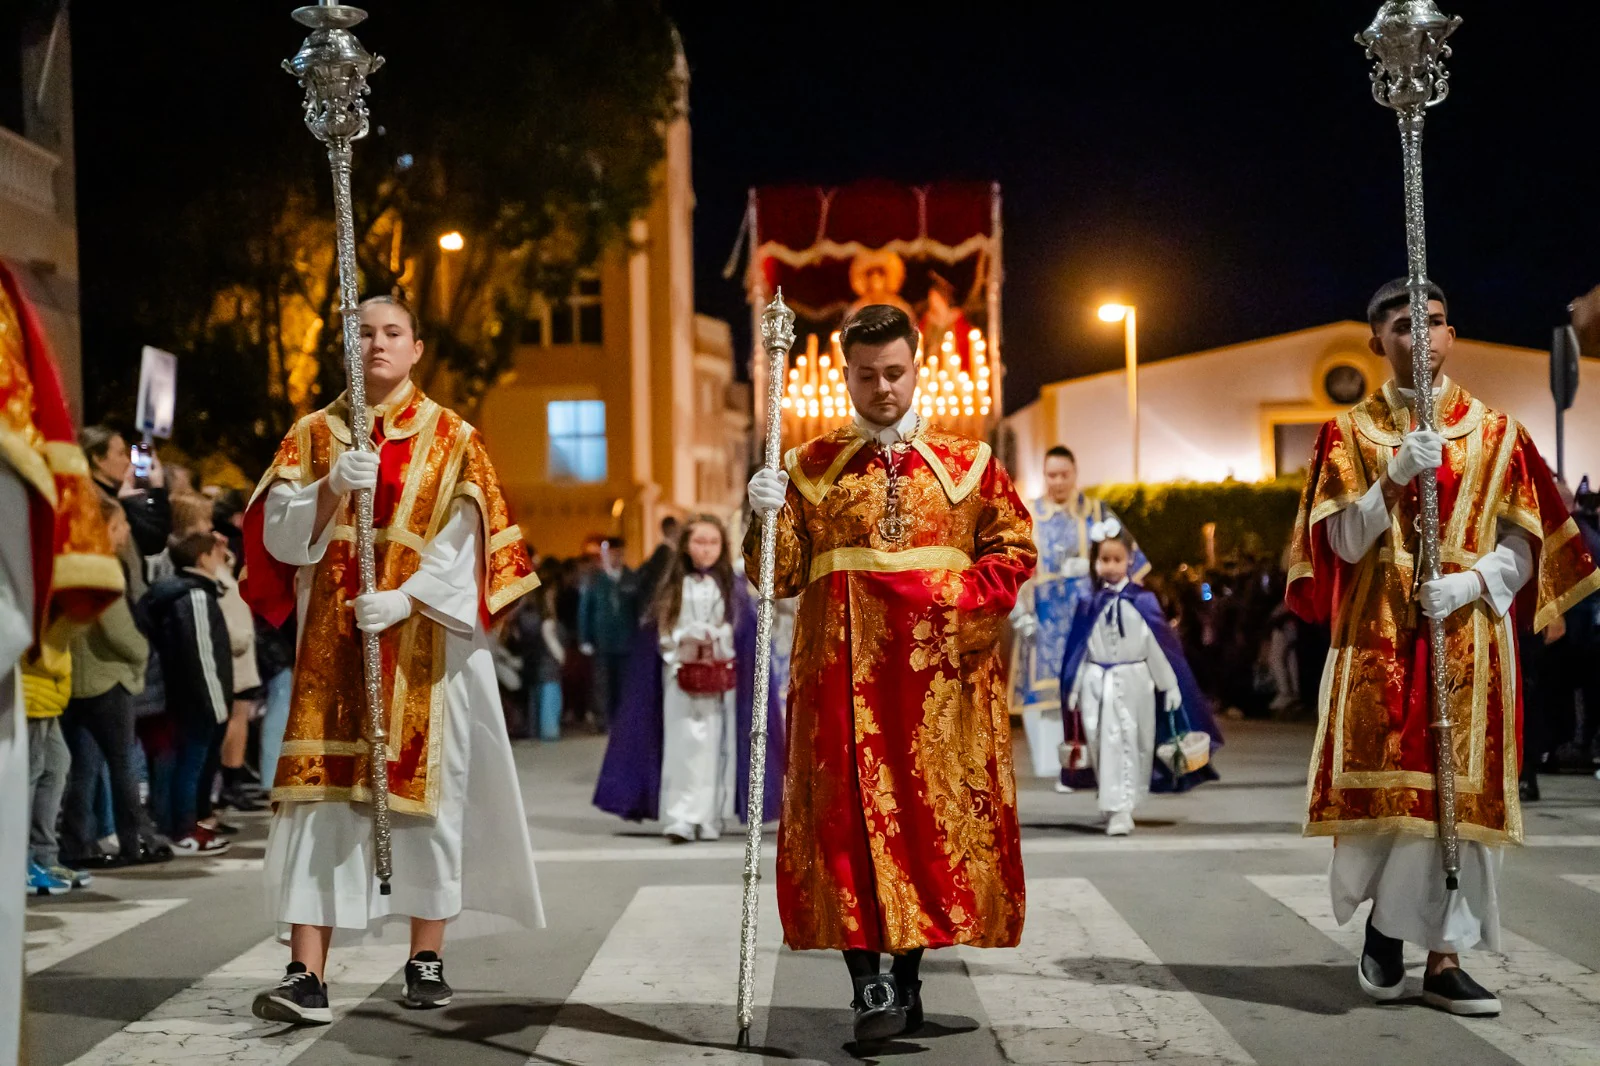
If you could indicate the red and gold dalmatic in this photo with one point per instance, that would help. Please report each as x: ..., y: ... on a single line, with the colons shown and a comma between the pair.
x: 429, y: 457
x: 1372, y: 767
x: 899, y: 823
x: 75, y: 572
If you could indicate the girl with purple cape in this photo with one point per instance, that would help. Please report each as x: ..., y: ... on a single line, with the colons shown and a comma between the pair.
x: 1122, y: 662
x: 679, y: 749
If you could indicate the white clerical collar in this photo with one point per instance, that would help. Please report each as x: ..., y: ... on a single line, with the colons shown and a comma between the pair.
x: 1439, y: 390
x: 904, y: 429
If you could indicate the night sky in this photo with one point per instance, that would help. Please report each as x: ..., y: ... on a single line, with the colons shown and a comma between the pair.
x: 1228, y: 173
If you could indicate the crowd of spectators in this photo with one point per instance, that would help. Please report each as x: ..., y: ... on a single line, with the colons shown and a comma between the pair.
x: 142, y: 725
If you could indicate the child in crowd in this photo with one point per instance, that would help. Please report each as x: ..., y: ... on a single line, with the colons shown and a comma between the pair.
x: 1122, y: 659
x: 46, y: 687
x: 540, y: 640
x: 191, y: 636
x: 679, y: 744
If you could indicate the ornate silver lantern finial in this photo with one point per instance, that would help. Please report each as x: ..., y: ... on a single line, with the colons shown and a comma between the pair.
x: 332, y: 68
x: 1406, y: 43
x: 777, y: 325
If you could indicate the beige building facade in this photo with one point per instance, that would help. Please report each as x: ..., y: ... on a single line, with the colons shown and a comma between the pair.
x: 622, y: 407
x: 1251, y: 411
x: 38, y: 212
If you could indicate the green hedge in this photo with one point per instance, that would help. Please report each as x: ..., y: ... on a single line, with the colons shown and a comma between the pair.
x: 1254, y: 519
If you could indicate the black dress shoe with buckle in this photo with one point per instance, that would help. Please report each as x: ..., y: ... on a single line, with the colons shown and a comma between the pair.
x: 1454, y: 992
x: 911, y: 1001
x: 1382, y: 969
x: 879, y: 1012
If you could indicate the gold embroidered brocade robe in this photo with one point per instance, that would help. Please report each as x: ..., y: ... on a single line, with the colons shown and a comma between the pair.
x: 429, y: 457
x: 899, y: 825
x: 1373, y: 764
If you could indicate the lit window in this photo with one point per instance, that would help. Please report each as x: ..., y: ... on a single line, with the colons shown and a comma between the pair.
x: 577, y: 440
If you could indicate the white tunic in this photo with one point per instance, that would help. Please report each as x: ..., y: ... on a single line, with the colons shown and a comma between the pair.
x: 16, y: 633
x: 1115, y: 693
x: 697, y: 734
x: 1402, y: 875
x: 478, y: 872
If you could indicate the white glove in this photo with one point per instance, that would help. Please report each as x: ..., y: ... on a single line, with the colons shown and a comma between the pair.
x: 1077, y: 566
x: 1422, y: 449
x: 1444, y: 596
x: 1173, y: 699
x: 353, y: 470
x: 1024, y: 626
x: 377, y: 611
x: 767, y: 489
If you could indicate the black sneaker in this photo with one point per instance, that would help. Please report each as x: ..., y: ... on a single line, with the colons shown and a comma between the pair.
x: 235, y: 799
x: 299, y: 999
x: 911, y: 1000
x: 1382, y: 969
x: 879, y: 1013
x: 1454, y: 992
x: 425, y: 984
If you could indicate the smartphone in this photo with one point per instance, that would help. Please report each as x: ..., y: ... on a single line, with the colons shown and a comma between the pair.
x: 142, y: 459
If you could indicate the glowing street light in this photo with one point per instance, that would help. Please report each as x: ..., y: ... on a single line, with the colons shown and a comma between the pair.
x: 1128, y: 316
x: 452, y: 241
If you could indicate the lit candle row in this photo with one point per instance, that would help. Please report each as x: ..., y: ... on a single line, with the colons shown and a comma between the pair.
x: 949, y: 393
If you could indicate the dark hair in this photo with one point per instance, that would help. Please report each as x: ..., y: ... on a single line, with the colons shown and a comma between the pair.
x: 393, y: 301
x: 1061, y: 451
x: 1121, y: 536
x: 187, y: 550
x: 668, y: 600
x: 616, y: 544
x: 669, y: 525
x: 1397, y: 293
x: 878, y: 324
x: 96, y: 441
x: 228, y: 503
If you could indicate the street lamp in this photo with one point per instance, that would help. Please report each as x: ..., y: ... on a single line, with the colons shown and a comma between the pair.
x: 452, y: 241
x: 1129, y: 317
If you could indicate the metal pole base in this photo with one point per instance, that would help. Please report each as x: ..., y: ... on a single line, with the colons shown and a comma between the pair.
x: 744, y: 1038
x: 383, y: 888
x: 1451, y: 883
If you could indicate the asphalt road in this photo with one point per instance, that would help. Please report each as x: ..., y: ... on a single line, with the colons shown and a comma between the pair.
x: 1204, y: 938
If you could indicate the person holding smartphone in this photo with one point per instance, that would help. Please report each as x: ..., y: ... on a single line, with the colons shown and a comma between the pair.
x: 140, y: 486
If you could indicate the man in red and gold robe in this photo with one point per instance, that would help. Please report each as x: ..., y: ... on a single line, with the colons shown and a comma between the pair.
x: 56, y: 567
x: 907, y: 546
x: 1510, y: 552
x: 449, y: 560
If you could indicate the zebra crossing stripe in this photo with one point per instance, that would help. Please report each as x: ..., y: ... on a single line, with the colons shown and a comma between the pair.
x: 1551, y: 1004
x: 1084, y: 987
x: 55, y: 935
x: 661, y: 989
x: 210, y: 1021
x: 728, y: 851
x: 1589, y: 881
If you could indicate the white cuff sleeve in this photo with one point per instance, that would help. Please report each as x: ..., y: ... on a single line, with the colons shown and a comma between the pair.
x: 289, y: 531
x: 1506, y: 569
x: 1353, y: 530
x: 445, y: 586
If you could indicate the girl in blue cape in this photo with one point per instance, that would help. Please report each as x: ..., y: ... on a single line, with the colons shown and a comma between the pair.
x: 679, y: 748
x: 1130, y: 689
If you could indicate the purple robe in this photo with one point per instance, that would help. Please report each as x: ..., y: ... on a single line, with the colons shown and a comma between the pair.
x: 1195, y: 713
x: 630, y: 777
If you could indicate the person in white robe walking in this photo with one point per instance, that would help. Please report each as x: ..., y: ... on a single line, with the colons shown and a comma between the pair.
x: 467, y: 864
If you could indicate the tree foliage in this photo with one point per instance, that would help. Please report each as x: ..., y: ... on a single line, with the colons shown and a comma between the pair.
x: 537, y: 134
